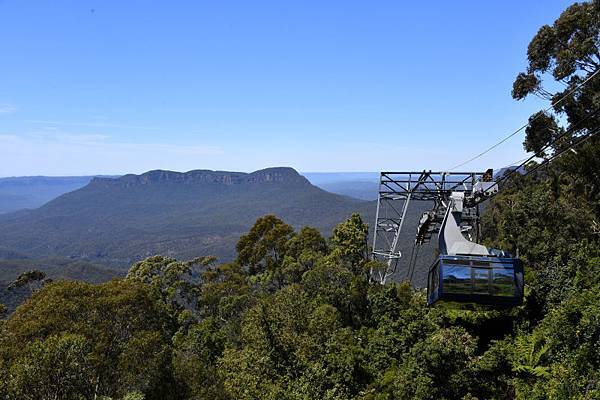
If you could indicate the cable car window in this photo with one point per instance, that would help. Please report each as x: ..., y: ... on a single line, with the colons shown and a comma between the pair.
x: 435, y: 278
x: 456, y: 262
x: 503, y: 282
x: 456, y: 279
x: 481, y: 280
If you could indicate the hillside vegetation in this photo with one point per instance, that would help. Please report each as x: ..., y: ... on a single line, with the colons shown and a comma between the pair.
x: 117, y: 221
x: 29, y: 192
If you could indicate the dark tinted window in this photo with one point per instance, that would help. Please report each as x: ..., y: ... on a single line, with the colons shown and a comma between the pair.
x: 481, y: 263
x: 456, y: 279
x: 503, y: 281
x: 481, y: 280
x: 455, y: 262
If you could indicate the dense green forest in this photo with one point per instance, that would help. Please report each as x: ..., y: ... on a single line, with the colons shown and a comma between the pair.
x: 295, y: 317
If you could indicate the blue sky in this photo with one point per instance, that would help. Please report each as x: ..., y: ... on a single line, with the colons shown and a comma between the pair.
x: 112, y: 87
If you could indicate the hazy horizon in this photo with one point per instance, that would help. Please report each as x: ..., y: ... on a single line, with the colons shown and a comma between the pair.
x: 195, y: 169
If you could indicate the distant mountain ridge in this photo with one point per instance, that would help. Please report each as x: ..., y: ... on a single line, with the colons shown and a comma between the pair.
x: 24, y: 192
x: 201, y: 176
x: 116, y: 221
x: 30, y: 192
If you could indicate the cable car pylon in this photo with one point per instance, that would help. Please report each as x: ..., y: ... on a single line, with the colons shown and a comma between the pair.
x: 465, y: 271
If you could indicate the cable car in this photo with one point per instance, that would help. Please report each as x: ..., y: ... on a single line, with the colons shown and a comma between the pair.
x: 466, y: 273
x: 493, y: 281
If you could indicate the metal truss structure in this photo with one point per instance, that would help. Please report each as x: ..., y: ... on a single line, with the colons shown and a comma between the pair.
x: 398, y: 189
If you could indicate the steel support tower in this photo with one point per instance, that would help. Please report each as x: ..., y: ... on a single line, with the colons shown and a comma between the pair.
x: 398, y: 189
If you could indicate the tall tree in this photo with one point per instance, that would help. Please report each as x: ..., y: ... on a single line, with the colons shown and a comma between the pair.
x: 127, y: 327
x: 549, y: 216
x: 568, y: 52
x: 175, y: 282
x: 58, y: 367
x: 349, y: 244
x: 264, y: 247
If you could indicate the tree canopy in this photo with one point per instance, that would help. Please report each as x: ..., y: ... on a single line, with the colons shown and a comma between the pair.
x: 568, y: 53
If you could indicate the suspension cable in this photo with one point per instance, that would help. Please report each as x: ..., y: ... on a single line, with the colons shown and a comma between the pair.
x: 549, y: 160
x: 548, y: 145
x: 557, y: 155
x: 412, y: 253
x: 552, y: 105
x: 414, y: 264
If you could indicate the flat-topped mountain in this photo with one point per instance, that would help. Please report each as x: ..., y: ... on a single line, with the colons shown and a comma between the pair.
x: 117, y: 221
x: 202, y: 176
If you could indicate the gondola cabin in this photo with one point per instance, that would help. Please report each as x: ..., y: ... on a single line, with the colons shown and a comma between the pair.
x: 486, y: 280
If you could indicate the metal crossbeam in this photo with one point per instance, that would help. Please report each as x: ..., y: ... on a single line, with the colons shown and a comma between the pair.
x: 427, y: 185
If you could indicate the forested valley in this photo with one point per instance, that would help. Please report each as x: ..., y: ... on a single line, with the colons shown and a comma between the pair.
x: 295, y: 316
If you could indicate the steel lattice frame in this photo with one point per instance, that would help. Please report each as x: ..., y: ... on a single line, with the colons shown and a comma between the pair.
x: 396, y: 191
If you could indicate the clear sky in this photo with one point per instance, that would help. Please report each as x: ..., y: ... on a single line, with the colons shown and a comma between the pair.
x: 112, y: 87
